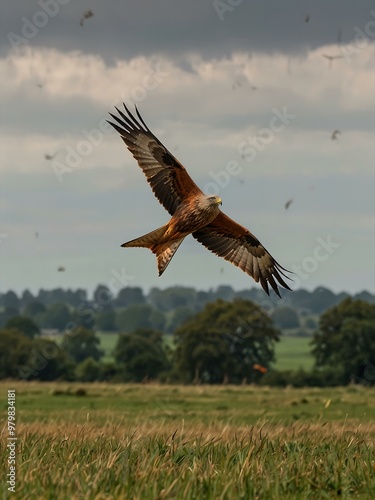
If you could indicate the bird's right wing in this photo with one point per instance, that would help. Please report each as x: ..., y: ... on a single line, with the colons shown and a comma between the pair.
x: 168, y: 178
x: 227, y: 239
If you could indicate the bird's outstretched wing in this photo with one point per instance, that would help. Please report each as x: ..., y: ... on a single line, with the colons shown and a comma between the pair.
x: 168, y: 178
x: 227, y: 239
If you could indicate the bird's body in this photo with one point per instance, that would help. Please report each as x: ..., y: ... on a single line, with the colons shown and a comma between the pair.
x: 189, y: 217
x: 192, y: 211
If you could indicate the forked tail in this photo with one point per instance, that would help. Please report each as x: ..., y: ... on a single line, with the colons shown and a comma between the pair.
x: 149, y: 239
x: 164, y: 250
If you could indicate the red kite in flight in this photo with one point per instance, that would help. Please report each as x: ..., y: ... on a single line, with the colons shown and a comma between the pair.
x: 192, y: 211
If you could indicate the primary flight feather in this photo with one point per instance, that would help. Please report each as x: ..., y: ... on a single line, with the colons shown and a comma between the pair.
x: 192, y: 211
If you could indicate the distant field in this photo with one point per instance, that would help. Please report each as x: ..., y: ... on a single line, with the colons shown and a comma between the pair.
x: 108, y: 342
x: 291, y: 352
x: 104, y: 441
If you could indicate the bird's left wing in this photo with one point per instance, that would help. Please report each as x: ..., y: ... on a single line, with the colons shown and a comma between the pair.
x: 227, y: 239
x: 168, y: 178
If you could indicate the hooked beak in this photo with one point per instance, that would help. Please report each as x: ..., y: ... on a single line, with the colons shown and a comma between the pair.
x: 219, y: 201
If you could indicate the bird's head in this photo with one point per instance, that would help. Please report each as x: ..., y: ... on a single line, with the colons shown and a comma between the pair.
x: 213, y: 199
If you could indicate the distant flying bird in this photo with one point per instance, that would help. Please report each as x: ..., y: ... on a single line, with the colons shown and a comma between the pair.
x: 288, y: 203
x: 61, y: 269
x: 307, y: 19
x: 50, y: 157
x: 86, y: 15
x: 335, y: 134
x: 332, y: 58
x: 192, y: 211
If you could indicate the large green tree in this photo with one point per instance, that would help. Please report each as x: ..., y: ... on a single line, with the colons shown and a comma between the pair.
x: 9, y: 312
x: 47, y: 361
x: 345, y: 341
x: 141, y: 354
x: 224, y: 342
x: 57, y: 316
x: 14, y: 352
x: 82, y: 343
x: 129, y: 296
x: 285, y: 317
x: 34, y: 310
x: 177, y: 317
x: 140, y: 316
x: 88, y: 371
x: 37, y: 359
x: 26, y: 326
x: 106, y: 320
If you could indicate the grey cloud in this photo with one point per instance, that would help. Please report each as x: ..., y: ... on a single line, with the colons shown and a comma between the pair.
x: 126, y: 29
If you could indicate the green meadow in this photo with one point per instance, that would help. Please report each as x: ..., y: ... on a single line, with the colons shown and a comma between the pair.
x: 104, y: 441
x: 292, y: 353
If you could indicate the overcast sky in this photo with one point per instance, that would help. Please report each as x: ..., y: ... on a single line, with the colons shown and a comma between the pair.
x: 242, y: 93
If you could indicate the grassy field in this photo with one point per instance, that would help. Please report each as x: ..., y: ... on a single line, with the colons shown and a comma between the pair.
x: 108, y: 342
x: 291, y: 352
x: 103, y: 441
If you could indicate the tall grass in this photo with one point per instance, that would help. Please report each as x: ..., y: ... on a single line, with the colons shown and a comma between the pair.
x: 214, y: 445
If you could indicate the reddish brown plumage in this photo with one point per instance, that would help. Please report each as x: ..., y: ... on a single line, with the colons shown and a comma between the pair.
x: 192, y: 211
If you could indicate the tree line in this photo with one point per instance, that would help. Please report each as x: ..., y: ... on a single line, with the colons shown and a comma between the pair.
x: 225, y: 342
x: 162, y: 310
